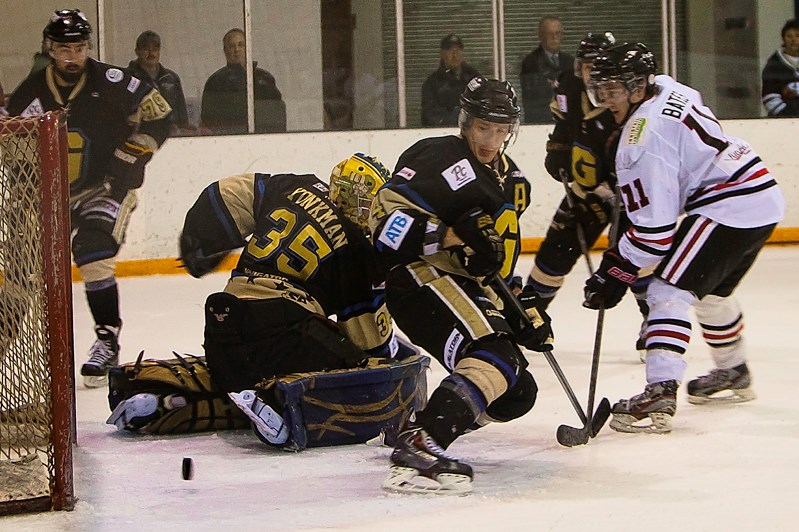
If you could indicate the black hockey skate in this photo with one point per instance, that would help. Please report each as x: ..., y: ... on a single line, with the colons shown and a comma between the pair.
x: 657, y: 404
x: 733, y: 385
x: 420, y: 465
x: 103, y: 355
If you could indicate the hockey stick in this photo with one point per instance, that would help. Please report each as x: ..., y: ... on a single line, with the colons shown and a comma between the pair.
x: 507, y: 296
x: 580, y: 230
x: 577, y: 436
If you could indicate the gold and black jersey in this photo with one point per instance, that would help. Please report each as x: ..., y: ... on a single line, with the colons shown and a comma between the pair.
x: 589, y: 131
x: 439, y: 180
x: 104, y: 108
x: 296, y: 246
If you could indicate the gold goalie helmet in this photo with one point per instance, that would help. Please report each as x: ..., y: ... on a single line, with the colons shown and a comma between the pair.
x: 354, y: 183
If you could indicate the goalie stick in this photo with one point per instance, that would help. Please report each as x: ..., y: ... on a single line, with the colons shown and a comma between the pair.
x: 568, y: 438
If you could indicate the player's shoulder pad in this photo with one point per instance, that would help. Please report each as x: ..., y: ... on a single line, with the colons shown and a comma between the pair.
x: 632, y: 143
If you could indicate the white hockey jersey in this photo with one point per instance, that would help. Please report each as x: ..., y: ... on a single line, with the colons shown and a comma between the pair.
x: 674, y: 158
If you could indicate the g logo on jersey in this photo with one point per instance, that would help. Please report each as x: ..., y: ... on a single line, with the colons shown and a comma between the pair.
x: 584, y: 166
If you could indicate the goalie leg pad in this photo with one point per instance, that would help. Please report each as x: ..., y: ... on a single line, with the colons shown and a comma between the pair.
x: 188, y: 401
x: 347, y: 406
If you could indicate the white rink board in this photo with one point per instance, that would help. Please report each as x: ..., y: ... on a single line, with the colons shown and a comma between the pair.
x: 184, y: 166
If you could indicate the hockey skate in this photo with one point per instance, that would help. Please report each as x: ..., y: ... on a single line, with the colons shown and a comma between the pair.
x: 732, y: 385
x: 420, y: 465
x: 103, y: 355
x: 267, y: 424
x: 135, y: 412
x: 657, y: 405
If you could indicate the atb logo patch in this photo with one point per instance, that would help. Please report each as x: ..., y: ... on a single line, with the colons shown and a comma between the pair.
x: 395, y: 230
x: 406, y: 172
x: 114, y: 75
x: 459, y: 174
x: 34, y: 108
x: 451, y: 348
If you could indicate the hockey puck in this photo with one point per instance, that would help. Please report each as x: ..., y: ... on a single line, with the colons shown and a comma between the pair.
x: 188, y: 468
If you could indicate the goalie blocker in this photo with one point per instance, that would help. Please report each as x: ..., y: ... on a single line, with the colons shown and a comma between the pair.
x: 336, y: 407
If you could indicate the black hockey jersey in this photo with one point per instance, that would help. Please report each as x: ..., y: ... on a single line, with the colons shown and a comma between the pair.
x: 589, y: 132
x: 104, y: 108
x: 300, y: 248
x: 438, y: 180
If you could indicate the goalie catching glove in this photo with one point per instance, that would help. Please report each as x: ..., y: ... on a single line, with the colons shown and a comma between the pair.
x: 476, y: 229
x: 609, y: 283
x: 537, y: 334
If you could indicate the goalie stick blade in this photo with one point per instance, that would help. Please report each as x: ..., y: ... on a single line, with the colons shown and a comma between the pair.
x: 600, y: 416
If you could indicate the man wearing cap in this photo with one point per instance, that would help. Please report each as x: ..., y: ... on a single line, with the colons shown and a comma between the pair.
x: 442, y: 89
x: 148, y: 66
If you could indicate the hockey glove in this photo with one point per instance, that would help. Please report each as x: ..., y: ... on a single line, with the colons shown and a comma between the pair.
x: 592, y: 210
x: 476, y: 229
x: 609, y: 283
x: 197, y: 261
x: 558, y: 159
x: 537, y: 334
x: 126, y: 167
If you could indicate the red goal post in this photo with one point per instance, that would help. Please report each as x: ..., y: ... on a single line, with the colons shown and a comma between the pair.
x: 37, y: 378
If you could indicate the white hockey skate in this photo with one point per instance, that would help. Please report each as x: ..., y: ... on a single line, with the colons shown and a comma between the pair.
x: 267, y: 424
x: 420, y: 465
x: 720, y: 386
x: 135, y: 412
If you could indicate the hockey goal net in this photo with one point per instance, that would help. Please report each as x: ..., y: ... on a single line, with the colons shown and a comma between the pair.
x: 37, y: 390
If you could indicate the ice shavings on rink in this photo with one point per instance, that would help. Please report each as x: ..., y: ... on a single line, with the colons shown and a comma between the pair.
x: 727, y: 468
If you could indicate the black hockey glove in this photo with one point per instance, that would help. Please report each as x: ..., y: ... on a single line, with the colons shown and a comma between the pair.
x: 126, y: 167
x: 535, y: 335
x: 558, y: 159
x: 197, y: 261
x: 592, y: 210
x: 609, y: 283
x: 476, y: 229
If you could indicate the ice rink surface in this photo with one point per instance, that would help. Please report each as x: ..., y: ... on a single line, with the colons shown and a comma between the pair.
x: 731, y: 468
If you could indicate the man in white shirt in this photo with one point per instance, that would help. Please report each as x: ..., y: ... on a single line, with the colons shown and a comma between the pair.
x: 673, y: 159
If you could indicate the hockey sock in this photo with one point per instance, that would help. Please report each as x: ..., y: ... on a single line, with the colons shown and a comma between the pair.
x: 446, y: 416
x: 103, y: 299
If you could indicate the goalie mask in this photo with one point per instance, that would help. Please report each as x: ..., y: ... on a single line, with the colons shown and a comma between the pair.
x: 354, y: 183
x: 68, y: 25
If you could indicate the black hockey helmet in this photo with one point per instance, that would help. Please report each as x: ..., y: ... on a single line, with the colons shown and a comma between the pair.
x: 68, y: 25
x: 626, y: 63
x: 592, y: 44
x: 491, y: 100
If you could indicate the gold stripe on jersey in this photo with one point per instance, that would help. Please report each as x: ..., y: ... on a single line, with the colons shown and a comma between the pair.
x: 459, y: 303
x: 368, y: 330
x: 238, y: 194
x: 488, y: 379
x: 53, y: 81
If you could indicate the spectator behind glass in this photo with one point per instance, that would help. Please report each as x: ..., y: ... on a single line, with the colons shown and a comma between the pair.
x: 540, y: 70
x: 224, y: 102
x: 41, y: 58
x: 147, y: 66
x: 780, y: 76
x: 442, y: 89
